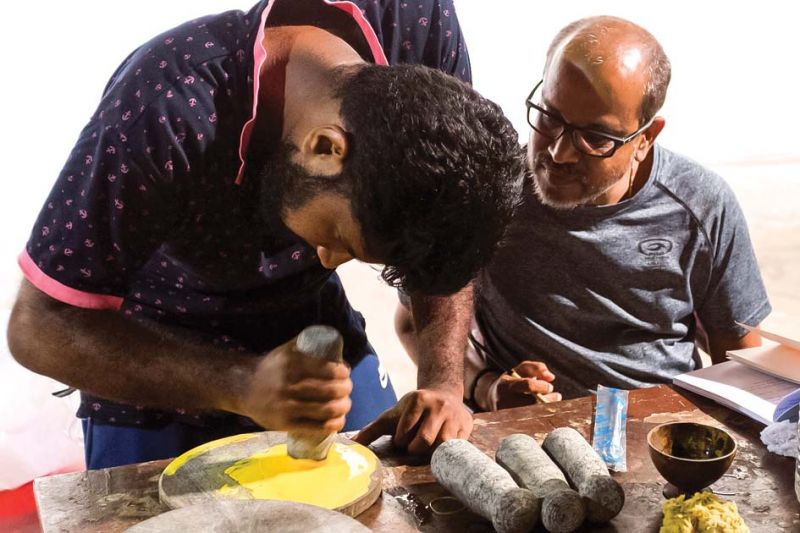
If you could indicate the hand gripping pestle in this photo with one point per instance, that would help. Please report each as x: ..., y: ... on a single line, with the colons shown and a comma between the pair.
x: 324, y: 343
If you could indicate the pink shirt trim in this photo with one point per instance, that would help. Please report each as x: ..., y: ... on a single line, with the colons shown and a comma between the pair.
x: 61, y: 292
x: 374, y: 45
x: 260, y: 55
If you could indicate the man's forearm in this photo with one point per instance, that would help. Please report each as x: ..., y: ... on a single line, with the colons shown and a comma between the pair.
x: 720, y: 343
x: 108, y: 355
x: 442, y: 325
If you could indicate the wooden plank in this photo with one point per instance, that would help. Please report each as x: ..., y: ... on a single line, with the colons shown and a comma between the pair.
x: 760, y: 483
x: 108, y: 500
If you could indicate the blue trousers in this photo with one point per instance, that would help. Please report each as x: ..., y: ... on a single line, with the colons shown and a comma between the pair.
x: 109, y: 445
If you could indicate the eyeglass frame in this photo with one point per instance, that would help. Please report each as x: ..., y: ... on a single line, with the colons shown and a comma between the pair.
x: 569, y: 128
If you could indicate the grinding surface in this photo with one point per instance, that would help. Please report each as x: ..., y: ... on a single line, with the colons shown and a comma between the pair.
x: 251, y: 516
x: 257, y: 466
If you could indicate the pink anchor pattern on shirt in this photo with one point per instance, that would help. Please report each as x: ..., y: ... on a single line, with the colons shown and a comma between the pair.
x: 129, y: 218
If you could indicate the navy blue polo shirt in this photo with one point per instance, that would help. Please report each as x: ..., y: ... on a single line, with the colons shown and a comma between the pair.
x: 151, y: 215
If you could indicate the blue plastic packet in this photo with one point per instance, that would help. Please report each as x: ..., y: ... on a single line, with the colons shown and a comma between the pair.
x: 610, y: 420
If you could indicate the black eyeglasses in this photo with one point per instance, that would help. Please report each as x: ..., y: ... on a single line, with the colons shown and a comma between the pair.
x: 586, y: 141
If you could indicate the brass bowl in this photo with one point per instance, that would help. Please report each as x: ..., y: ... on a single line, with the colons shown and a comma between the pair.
x: 691, y: 456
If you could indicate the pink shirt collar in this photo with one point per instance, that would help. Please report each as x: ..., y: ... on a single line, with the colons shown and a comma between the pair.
x: 260, y: 55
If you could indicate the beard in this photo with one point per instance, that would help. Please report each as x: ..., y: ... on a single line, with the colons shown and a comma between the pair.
x: 275, y: 174
x: 285, y: 185
x: 566, y: 186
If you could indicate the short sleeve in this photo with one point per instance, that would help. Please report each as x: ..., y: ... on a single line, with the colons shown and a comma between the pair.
x: 120, y: 193
x: 735, y: 292
x: 426, y: 33
x: 451, y: 44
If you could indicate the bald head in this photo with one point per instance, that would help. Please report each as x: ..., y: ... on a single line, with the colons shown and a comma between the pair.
x: 603, y: 48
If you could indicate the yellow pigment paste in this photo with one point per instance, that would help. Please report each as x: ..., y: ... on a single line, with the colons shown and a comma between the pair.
x: 702, y: 512
x: 339, y: 479
x: 194, y: 452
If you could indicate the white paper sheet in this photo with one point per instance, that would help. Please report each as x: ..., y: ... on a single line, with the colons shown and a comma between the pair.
x: 740, y: 388
x: 779, y: 360
x: 780, y: 339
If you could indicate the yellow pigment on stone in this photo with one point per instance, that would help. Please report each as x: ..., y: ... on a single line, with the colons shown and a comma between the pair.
x: 339, y: 479
x: 194, y: 452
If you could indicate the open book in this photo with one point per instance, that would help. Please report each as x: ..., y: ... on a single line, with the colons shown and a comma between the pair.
x: 760, y: 396
x: 761, y: 382
x: 778, y: 355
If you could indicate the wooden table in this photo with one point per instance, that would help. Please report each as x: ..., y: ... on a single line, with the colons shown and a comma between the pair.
x: 761, y: 483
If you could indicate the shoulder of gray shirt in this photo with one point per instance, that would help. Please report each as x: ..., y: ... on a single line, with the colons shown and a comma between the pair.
x: 704, y: 194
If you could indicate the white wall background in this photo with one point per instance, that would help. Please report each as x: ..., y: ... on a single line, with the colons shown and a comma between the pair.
x: 735, y: 64
x: 733, y: 97
x: 733, y: 105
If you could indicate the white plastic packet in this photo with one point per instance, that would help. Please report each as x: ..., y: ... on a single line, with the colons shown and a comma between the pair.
x: 610, y: 421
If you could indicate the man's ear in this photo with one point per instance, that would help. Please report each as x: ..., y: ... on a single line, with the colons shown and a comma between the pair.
x: 324, y: 149
x: 645, y: 142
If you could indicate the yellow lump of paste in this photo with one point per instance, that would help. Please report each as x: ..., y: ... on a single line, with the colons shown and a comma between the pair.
x: 703, y: 512
x: 341, y: 478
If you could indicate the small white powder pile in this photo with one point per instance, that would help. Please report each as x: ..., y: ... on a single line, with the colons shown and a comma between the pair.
x: 781, y: 438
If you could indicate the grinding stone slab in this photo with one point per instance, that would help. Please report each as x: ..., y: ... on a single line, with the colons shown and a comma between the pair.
x: 237, y: 516
x: 197, y: 481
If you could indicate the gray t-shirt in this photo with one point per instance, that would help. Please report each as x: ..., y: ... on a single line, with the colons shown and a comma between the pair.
x: 608, y: 294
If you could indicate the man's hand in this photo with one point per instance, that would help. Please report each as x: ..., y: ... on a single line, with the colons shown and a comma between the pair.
x: 289, y: 391
x: 420, y: 421
x: 434, y: 413
x: 534, y: 378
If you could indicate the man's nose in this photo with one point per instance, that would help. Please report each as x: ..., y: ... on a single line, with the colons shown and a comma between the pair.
x: 331, y: 259
x: 562, y: 150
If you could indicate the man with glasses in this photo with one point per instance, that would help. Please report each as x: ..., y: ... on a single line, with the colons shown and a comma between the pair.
x: 624, y: 255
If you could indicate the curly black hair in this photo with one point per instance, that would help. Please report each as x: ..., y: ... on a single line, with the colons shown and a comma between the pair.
x: 436, y: 173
